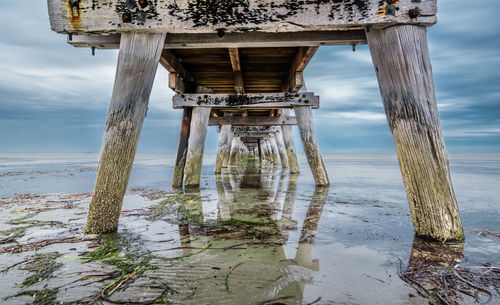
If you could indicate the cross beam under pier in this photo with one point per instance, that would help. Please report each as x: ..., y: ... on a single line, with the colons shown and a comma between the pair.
x: 252, y: 121
x: 243, y: 101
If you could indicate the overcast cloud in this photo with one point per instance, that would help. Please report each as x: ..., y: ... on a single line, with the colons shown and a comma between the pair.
x: 54, y: 98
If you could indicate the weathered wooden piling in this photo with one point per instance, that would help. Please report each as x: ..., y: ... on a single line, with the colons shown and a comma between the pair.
x: 137, y: 62
x: 281, y: 148
x: 291, y: 152
x: 224, y: 148
x: 274, y: 149
x: 310, y: 144
x: 196, y: 145
x: 182, y: 148
x: 402, y: 63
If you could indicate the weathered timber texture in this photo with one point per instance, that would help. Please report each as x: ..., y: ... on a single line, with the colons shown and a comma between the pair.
x: 196, y: 16
x: 402, y: 63
x: 291, y: 150
x: 253, y: 121
x: 255, y: 129
x: 234, y: 40
x: 224, y: 148
x: 254, y: 100
x: 281, y: 149
x: 308, y: 136
x: 182, y: 148
x: 135, y: 73
x: 274, y: 149
x: 196, y: 144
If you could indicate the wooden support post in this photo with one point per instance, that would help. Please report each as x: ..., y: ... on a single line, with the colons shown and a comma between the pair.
x: 291, y: 152
x: 259, y: 148
x: 281, y: 149
x: 196, y: 144
x: 137, y: 62
x: 224, y: 149
x: 308, y: 136
x: 402, y: 63
x: 182, y: 147
x: 274, y: 149
x: 232, y: 155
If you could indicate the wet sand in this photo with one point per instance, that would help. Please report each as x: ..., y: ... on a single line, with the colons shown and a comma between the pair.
x: 252, y: 235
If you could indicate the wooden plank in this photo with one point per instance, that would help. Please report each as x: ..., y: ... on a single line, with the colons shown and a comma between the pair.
x: 308, y: 136
x: 135, y: 73
x: 170, y: 62
x: 255, y: 129
x: 234, y: 40
x: 263, y: 100
x: 407, y: 89
x: 182, y: 147
x: 189, y: 16
x: 295, y: 79
x: 252, y: 134
x: 234, y: 56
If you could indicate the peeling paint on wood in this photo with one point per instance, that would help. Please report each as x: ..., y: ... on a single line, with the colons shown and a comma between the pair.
x: 221, y: 16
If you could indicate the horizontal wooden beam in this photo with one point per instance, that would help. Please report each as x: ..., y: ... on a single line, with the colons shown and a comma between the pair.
x: 234, y: 40
x: 255, y: 129
x: 188, y: 16
x: 251, y: 134
x: 252, y: 121
x: 251, y: 100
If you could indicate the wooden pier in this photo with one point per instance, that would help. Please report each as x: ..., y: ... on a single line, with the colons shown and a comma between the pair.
x: 238, y: 65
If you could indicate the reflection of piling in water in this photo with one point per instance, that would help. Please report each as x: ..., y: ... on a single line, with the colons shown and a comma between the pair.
x: 432, y: 271
x: 304, y: 255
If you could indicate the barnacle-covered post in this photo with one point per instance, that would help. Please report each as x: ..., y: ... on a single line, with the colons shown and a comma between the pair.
x: 308, y: 136
x: 135, y: 73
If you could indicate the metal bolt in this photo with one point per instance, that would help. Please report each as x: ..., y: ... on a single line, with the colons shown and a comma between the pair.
x: 143, y: 3
x: 414, y: 12
x: 126, y: 18
x: 390, y: 10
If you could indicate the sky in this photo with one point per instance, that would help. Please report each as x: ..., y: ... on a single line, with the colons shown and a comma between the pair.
x: 55, y: 98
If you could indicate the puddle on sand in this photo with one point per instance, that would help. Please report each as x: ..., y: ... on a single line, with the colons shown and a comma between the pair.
x: 259, y: 236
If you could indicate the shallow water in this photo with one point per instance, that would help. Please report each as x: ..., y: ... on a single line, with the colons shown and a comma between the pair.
x: 253, y: 235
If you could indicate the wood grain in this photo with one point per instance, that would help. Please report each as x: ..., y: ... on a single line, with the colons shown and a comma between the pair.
x: 135, y: 73
x: 402, y: 63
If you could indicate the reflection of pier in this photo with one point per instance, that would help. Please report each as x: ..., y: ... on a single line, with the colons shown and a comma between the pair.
x: 255, y: 210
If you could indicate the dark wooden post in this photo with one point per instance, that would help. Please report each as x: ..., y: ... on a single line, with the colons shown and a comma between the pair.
x: 308, y: 136
x: 180, y: 161
x: 137, y: 62
x: 196, y: 145
x: 402, y: 63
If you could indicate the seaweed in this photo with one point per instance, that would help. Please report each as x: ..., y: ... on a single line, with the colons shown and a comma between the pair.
x: 42, y: 266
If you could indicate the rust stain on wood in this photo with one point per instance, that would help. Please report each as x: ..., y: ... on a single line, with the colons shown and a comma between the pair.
x: 75, y: 13
x: 386, y: 7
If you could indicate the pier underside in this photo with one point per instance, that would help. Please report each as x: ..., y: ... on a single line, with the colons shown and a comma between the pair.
x: 240, y: 64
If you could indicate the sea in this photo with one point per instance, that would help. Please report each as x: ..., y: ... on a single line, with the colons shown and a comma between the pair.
x: 252, y: 235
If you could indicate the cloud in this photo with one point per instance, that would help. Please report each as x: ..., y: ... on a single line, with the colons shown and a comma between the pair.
x: 53, y: 93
